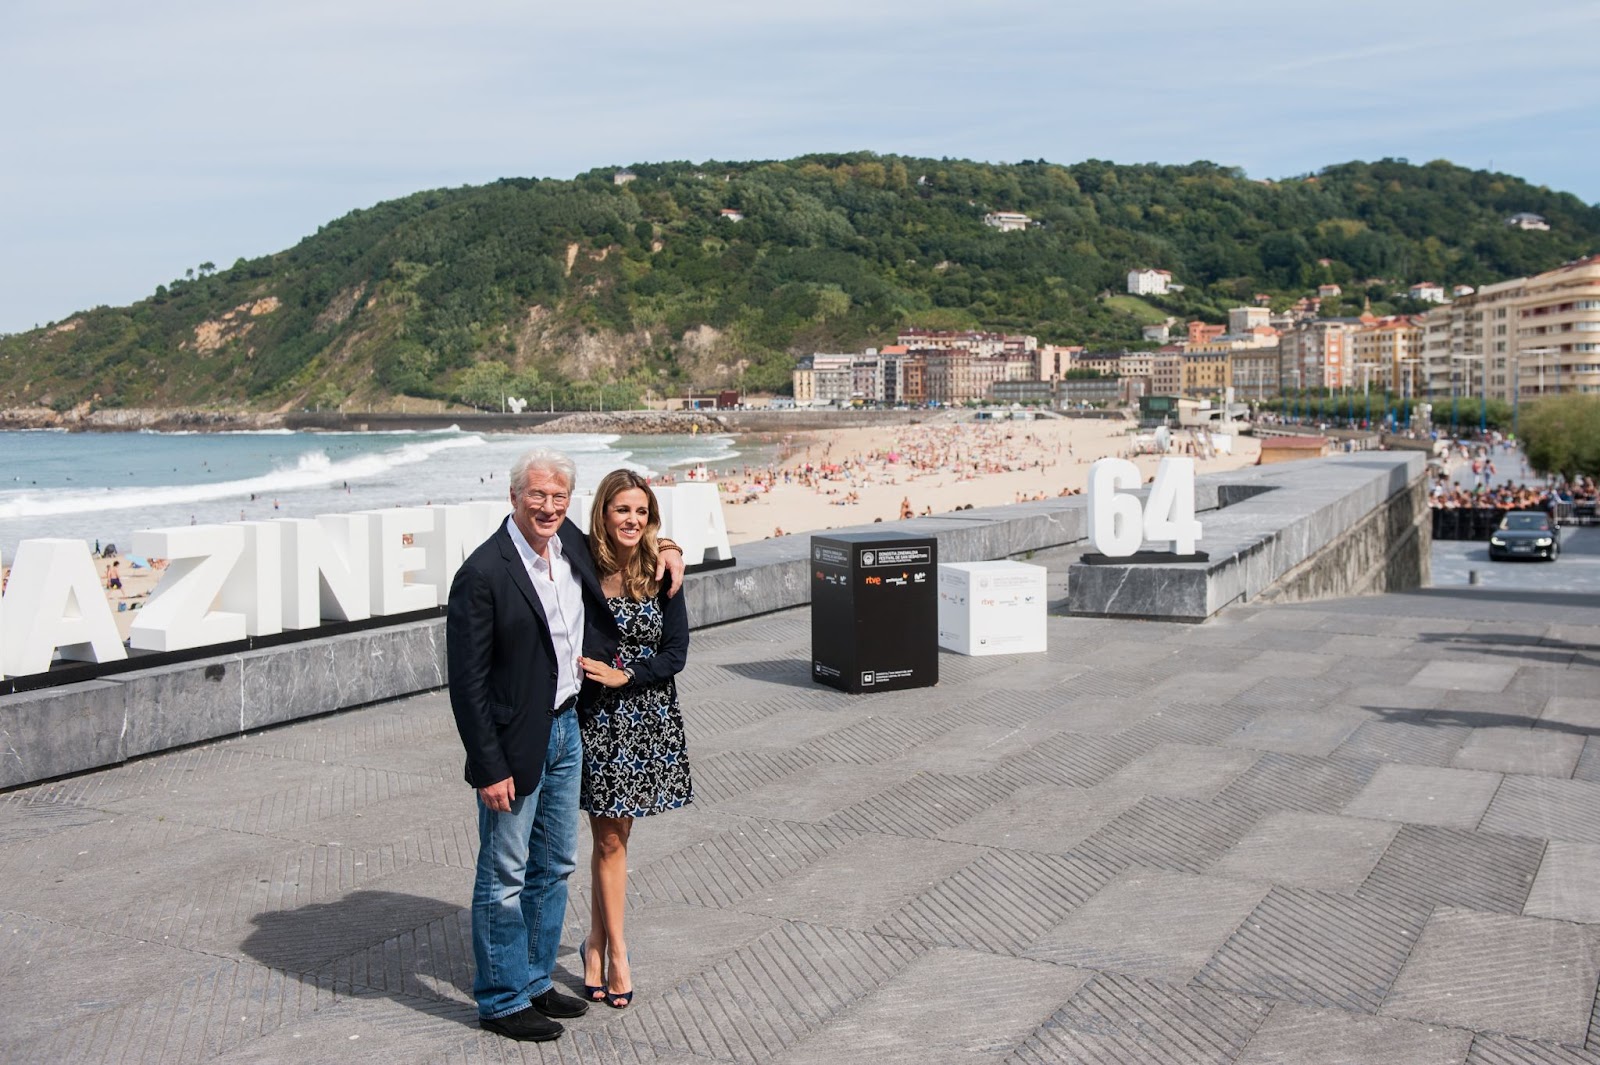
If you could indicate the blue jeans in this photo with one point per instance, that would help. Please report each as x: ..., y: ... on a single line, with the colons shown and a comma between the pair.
x: 519, y: 898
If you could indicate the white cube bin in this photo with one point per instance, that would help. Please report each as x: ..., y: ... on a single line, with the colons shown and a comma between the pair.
x: 991, y: 608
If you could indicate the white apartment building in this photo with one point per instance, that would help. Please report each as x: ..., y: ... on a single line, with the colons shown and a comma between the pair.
x: 1427, y: 292
x: 1148, y: 282
x: 824, y: 380
x: 1558, y: 330
x: 1007, y: 221
x: 1527, y: 337
x: 1244, y: 319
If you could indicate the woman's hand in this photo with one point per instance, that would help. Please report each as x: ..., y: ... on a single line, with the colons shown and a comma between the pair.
x: 599, y: 671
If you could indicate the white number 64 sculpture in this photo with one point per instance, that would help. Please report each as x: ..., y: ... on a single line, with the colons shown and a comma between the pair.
x: 1117, y: 525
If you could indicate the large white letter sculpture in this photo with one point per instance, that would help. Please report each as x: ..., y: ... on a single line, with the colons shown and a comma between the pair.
x: 256, y: 578
x: 458, y: 529
x: 325, y: 572
x: 691, y: 514
x: 179, y: 612
x: 1118, y: 525
x: 392, y: 560
x: 54, y: 601
x: 255, y: 587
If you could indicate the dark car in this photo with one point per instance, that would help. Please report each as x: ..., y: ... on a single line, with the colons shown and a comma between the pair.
x: 1525, y: 534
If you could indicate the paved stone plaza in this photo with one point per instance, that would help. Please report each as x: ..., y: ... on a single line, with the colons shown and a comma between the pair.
x: 1366, y: 830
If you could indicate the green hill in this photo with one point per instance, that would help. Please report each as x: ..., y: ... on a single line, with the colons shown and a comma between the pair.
x: 558, y: 288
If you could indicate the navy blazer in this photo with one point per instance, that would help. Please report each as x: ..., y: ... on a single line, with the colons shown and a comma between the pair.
x: 502, y: 660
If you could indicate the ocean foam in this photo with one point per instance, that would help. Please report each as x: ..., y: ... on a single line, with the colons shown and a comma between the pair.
x: 313, y: 470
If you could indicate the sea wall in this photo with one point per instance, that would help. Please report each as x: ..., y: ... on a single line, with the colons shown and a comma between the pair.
x: 1335, y: 526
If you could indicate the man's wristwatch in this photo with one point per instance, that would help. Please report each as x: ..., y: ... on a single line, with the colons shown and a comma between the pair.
x: 627, y: 671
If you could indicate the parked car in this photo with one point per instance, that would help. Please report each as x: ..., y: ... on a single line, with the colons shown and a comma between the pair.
x: 1525, y: 534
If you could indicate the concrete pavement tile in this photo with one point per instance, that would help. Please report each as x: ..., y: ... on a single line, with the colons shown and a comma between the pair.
x: 1537, y: 752
x: 1310, y: 732
x: 1300, y: 849
x: 781, y: 732
x: 1489, y: 708
x: 971, y: 748
x: 37, y: 863
x: 1468, y: 676
x: 208, y: 885
x: 1388, y: 672
x: 1201, y: 686
x: 818, y: 792
x: 1491, y: 1049
x: 1297, y: 1035
x: 1000, y: 903
x: 947, y: 1006
x: 1546, y: 809
x: 1043, y: 817
x: 1182, y: 770
x: 746, y: 859
x: 1151, y: 923
x: 1519, y: 975
x: 1294, y: 782
x: 1284, y: 662
x: 766, y: 996
x: 722, y: 777
x: 1123, y: 1019
x: 1426, y: 795
x: 20, y: 822
x: 282, y: 795
x: 1098, y: 715
x: 1317, y: 949
x: 58, y: 976
x: 1397, y: 696
x: 1556, y: 682
x: 1430, y: 866
x: 1365, y: 646
x: 1588, y: 767
x: 1406, y: 736
x: 861, y: 882
x: 1573, y: 713
x: 1167, y: 833
x: 449, y: 812
x: 1564, y: 889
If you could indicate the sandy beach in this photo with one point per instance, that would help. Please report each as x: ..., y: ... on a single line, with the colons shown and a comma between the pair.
x: 857, y: 476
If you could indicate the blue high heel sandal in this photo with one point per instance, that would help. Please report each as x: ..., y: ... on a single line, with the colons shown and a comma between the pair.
x: 594, y: 992
x: 619, y: 1000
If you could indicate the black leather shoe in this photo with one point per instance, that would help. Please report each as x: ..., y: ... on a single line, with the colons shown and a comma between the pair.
x: 528, y: 1025
x: 554, y: 1004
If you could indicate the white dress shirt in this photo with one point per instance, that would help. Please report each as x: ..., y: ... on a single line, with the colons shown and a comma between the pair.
x: 561, y: 595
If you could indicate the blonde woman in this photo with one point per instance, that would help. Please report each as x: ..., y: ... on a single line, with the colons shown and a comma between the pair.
x: 635, y: 761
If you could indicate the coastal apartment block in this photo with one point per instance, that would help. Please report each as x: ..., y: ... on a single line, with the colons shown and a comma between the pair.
x: 1524, y: 338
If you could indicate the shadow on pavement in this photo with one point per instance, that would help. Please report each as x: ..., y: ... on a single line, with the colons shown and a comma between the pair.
x: 346, y: 942
x: 1410, y: 715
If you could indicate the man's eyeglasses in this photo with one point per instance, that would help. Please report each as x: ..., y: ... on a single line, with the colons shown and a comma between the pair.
x: 539, y: 499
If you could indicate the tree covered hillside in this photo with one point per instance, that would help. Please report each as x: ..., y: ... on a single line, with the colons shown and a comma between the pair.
x: 545, y: 286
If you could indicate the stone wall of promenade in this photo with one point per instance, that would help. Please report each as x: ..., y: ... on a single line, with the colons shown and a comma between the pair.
x: 1335, y: 526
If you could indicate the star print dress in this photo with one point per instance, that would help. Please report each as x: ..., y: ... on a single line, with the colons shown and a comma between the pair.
x: 635, y: 756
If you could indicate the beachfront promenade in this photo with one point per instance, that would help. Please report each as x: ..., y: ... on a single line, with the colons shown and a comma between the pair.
x: 1362, y: 830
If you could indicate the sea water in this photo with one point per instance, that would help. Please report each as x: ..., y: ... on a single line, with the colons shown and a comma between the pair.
x: 103, y: 486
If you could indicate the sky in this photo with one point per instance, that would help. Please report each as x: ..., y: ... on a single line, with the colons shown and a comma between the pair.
x: 139, y: 140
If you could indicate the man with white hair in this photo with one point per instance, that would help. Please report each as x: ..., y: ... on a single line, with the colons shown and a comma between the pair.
x: 523, y: 607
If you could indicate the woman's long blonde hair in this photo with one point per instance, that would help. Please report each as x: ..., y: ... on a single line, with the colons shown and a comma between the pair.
x: 639, y: 578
